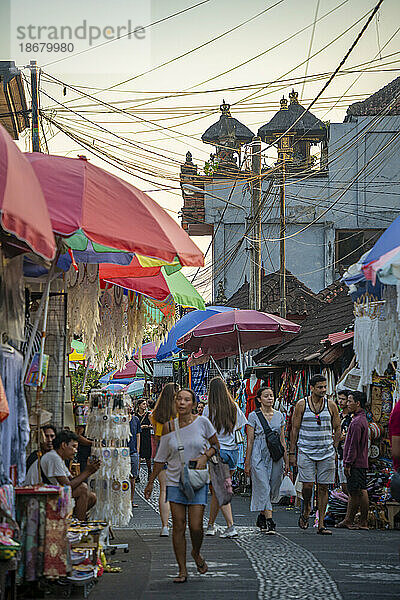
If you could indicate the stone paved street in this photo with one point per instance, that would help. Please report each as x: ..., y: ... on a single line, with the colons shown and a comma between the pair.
x: 292, y: 565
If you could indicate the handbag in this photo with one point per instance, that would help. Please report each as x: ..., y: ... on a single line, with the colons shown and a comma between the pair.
x: 272, y: 438
x: 191, y: 480
x: 221, y: 481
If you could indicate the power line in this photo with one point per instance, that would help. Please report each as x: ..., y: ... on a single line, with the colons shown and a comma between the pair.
x: 180, y: 12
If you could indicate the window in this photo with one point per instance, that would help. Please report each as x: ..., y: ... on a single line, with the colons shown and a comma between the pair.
x: 351, y: 244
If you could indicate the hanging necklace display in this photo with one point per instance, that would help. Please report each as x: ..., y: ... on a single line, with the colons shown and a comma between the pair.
x: 108, y: 426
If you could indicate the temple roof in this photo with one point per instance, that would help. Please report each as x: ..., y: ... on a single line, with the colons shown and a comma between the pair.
x: 380, y: 101
x: 287, y: 115
x: 227, y: 127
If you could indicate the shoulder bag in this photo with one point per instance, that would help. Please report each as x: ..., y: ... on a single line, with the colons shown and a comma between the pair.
x: 272, y: 438
x: 191, y: 480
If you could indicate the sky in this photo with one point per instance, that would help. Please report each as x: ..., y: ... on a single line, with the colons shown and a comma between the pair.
x: 172, y: 126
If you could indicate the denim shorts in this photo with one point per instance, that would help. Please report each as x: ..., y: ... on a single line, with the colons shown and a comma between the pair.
x: 230, y: 457
x: 134, y: 465
x: 174, y: 494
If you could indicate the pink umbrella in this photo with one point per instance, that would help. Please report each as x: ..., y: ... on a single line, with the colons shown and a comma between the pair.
x: 127, y: 372
x: 109, y: 210
x: 149, y: 351
x: 23, y: 209
x: 234, y: 332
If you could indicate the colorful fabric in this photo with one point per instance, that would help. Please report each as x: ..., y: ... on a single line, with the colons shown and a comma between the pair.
x: 31, y: 543
x: 199, y: 378
x: 394, y: 430
x: 251, y: 394
x: 56, y: 546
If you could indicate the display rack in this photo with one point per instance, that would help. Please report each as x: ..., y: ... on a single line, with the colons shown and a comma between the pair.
x: 108, y: 427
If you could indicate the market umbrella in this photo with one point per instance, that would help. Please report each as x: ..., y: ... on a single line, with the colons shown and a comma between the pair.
x: 234, y: 332
x: 159, y: 287
x: 148, y: 352
x: 385, y: 249
x: 185, y: 324
x: 135, y: 388
x: 130, y: 371
x: 114, y: 388
x: 23, y: 210
x: 109, y: 211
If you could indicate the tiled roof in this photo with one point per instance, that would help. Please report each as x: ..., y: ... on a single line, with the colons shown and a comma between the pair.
x: 295, y: 117
x: 300, y: 299
x: 336, y: 314
x: 227, y: 127
x: 379, y: 101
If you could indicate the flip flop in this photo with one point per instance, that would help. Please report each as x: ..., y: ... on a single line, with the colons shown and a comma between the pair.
x: 343, y: 526
x: 303, y: 522
x: 202, y: 566
x: 324, y: 531
x: 180, y: 579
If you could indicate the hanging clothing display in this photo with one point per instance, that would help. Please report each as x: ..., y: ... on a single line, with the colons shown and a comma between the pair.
x: 366, y: 346
x: 252, y: 386
x: 199, y: 379
x: 12, y: 298
x: 108, y: 427
x: 14, y: 430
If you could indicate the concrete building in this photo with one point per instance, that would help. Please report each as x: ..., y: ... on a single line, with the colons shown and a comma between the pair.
x: 342, y: 188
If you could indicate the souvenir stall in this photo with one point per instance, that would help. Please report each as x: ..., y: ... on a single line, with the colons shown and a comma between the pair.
x: 374, y: 285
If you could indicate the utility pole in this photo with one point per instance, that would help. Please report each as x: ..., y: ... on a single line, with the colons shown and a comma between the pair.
x: 255, y: 232
x: 35, y: 106
x: 282, y: 269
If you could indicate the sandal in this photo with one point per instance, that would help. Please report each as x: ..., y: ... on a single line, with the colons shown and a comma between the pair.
x: 202, y: 566
x: 303, y: 522
x: 324, y: 531
x: 180, y: 579
x: 342, y: 525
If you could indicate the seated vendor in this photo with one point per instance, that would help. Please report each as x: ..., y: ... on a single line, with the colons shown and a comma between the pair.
x: 47, y: 435
x: 53, y: 466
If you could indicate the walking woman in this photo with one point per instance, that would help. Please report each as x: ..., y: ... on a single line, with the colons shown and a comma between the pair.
x: 227, y: 418
x: 266, y: 475
x: 164, y: 411
x: 143, y: 415
x: 200, y: 443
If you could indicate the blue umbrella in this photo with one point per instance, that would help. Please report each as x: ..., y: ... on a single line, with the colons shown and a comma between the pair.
x: 107, y: 377
x: 169, y: 347
x: 388, y: 241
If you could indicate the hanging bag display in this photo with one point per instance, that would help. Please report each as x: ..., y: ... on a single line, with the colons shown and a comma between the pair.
x: 191, y: 480
x: 272, y: 438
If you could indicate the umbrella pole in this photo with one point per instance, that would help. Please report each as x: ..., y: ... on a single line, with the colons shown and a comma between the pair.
x: 240, y: 355
x: 216, y: 366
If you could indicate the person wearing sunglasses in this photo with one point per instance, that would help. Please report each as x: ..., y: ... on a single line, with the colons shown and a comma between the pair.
x: 316, y: 433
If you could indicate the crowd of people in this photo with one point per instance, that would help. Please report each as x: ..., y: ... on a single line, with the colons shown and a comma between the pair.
x: 327, y: 444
